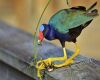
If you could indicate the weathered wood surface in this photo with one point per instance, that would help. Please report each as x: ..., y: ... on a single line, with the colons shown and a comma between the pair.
x: 16, y: 49
x: 9, y: 73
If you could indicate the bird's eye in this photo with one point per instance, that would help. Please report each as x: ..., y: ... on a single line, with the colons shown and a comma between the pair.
x: 42, y: 28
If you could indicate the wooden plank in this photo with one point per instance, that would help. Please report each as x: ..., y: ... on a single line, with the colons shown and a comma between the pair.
x: 9, y: 73
x: 16, y: 49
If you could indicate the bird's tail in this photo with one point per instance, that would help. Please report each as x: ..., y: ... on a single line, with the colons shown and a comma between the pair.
x: 91, y: 7
x: 92, y: 12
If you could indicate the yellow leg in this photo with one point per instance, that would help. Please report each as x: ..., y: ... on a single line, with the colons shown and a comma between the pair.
x: 59, y: 58
x: 76, y: 53
x: 50, y: 60
x: 70, y: 60
x: 42, y: 63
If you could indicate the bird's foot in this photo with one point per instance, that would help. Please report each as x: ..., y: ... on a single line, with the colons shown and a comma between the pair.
x: 44, y: 65
x: 47, y: 64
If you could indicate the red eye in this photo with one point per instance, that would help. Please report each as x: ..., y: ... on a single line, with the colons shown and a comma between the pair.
x: 41, y: 36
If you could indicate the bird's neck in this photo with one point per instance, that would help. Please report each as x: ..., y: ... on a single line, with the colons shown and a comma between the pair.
x: 49, y: 33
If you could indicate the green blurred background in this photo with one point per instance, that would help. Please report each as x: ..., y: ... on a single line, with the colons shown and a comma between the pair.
x: 24, y: 14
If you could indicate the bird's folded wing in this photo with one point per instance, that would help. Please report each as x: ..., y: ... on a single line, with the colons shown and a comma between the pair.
x: 65, y: 20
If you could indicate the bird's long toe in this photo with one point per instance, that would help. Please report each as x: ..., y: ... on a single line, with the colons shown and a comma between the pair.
x: 66, y: 63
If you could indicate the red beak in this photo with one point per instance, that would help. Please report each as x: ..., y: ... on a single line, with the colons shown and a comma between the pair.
x: 41, y: 36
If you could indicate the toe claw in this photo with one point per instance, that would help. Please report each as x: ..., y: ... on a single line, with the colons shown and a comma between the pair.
x: 50, y: 67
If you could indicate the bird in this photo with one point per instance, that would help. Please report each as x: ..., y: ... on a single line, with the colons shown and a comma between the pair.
x: 65, y: 25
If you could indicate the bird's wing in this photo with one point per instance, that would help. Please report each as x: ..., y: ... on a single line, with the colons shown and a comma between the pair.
x: 66, y: 19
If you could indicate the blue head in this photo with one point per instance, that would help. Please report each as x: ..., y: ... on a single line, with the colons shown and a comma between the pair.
x: 42, y: 29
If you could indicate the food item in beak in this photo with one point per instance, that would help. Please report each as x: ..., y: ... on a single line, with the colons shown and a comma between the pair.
x: 39, y: 42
